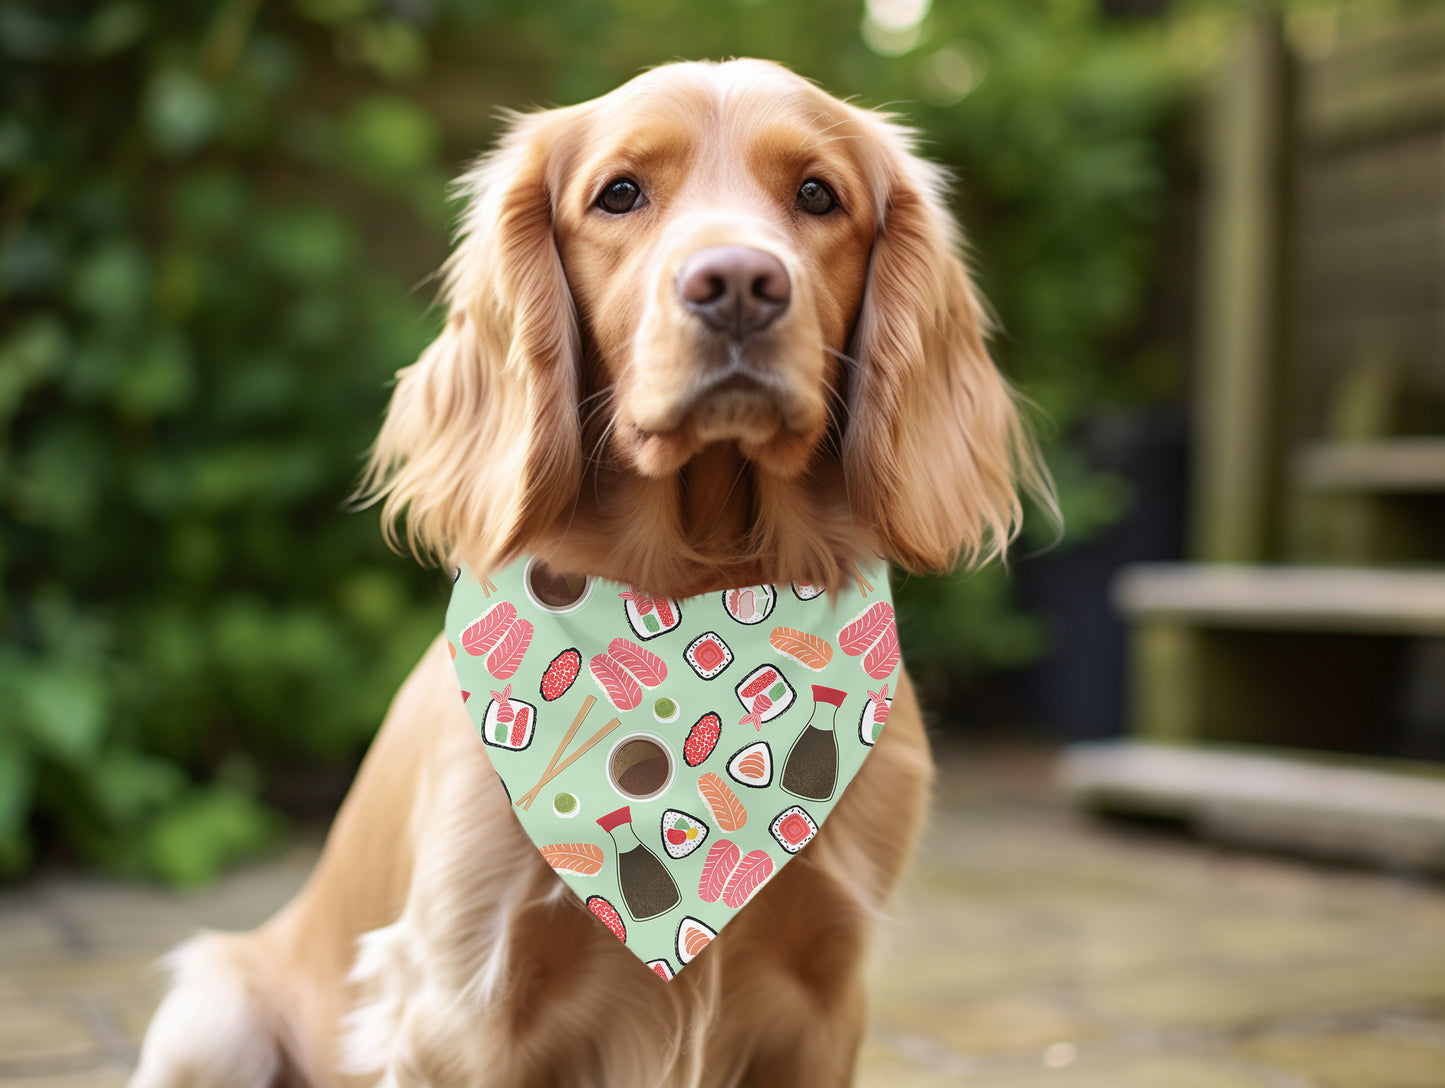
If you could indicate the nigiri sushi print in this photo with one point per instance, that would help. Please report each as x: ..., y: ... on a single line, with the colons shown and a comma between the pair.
x: 486, y: 630
x: 873, y: 636
x: 624, y: 670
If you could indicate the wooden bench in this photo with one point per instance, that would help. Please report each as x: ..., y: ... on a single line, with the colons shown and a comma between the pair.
x: 1307, y: 637
x: 1370, y: 811
x: 1413, y: 464
x: 1282, y: 655
x: 1361, y: 600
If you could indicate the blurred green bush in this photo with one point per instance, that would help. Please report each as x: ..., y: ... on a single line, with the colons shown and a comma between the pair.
x: 196, y: 350
x: 214, y: 217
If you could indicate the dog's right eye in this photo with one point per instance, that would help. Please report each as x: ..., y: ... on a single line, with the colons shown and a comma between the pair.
x: 621, y: 196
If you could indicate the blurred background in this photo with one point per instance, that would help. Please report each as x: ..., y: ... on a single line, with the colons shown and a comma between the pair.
x: 218, y: 223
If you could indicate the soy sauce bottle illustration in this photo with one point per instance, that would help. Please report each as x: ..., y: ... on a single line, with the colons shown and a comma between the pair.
x: 811, y: 770
x: 647, y: 887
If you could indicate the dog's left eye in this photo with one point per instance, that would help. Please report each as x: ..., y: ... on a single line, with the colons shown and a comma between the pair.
x: 815, y: 198
x: 621, y: 196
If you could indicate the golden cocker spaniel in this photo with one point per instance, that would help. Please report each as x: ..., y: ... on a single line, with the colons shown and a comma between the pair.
x: 708, y: 330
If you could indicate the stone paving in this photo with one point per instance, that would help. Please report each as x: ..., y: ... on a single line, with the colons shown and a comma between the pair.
x: 1033, y: 948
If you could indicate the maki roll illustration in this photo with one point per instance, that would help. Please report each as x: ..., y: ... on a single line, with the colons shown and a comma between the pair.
x: 650, y: 616
x: 661, y: 968
x: 765, y: 693
x: 681, y: 833
x: 509, y: 722
x: 751, y: 604
x: 875, y: 714
x: 793, y: 828
x: 805, y: 591
x: 708, y: 655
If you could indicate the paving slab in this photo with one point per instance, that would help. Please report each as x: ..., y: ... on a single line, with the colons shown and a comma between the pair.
x: 1030, y: 947
x: 95, y: 1078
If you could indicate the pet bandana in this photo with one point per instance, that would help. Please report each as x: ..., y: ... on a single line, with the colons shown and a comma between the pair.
x: 669, y: 757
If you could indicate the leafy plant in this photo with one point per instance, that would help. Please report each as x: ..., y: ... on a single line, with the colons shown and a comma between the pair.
x: 214, y: 216
x: 196, y: 350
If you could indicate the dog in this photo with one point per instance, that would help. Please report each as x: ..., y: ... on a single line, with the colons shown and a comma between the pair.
x: 708, y: 330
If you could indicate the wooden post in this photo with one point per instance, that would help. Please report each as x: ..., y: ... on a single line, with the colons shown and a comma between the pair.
x: 1238, y: 433
x: 1167, y: 664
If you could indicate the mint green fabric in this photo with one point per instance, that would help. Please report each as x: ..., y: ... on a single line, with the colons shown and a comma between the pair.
x: 716, y: 772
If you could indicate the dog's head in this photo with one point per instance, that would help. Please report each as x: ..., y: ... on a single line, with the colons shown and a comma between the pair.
x: 709, y: 328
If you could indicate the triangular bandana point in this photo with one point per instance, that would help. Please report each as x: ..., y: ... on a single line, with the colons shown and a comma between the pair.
x: 669, y: 757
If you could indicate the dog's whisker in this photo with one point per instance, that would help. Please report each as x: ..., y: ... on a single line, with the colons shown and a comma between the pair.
x: 843, y: 357
x: 605, y: 391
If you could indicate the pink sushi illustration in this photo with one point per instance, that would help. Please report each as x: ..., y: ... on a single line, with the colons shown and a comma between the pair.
x: 873, y: 636
x: 508, y: 722
x: 765, y: 693
x: 650, y: 616
x: 708, y: 655
x: 874, y: 716
x: 750, y: 604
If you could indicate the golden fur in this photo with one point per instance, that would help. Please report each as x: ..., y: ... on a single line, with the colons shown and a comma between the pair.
x: 572, y: 408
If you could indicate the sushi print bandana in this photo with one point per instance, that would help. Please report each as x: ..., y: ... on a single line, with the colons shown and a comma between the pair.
x: 668, y: 757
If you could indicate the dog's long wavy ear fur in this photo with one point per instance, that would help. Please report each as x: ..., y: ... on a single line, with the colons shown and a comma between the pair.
x: 935, y: 452
x: 481, y: 448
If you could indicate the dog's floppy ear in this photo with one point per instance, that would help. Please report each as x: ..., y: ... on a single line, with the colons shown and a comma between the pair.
x: 481, y: 448
x: 935, y: 451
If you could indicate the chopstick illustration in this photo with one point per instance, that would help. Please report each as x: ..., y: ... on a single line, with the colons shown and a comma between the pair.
x: 553, y: 767
x: 488, y: 586
x: 865, y: 587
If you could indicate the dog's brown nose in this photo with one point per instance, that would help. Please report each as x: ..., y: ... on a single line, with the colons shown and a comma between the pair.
x: 735, y: 289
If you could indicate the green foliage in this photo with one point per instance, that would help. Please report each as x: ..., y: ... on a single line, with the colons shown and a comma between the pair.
x: 213, y: 219
x: 196, y: 349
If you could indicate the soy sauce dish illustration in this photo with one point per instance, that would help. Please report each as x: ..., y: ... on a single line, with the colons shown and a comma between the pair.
x: 640, y: 766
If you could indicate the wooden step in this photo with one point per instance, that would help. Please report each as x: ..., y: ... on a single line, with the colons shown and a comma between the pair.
x: 1342, y: 599
x: 1389, y: 812
x: 1395, y: 465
